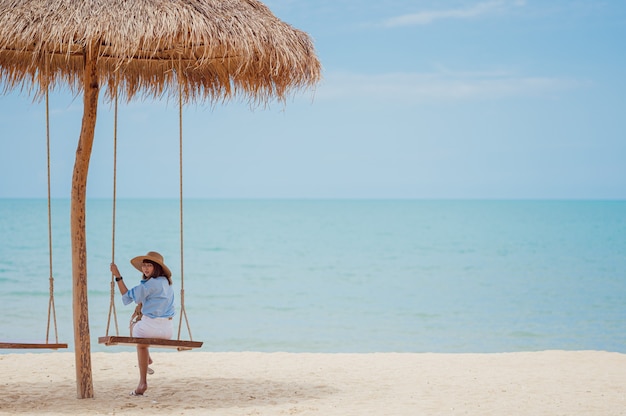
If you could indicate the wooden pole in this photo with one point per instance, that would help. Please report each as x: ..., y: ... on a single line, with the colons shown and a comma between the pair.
x: 82, y: 344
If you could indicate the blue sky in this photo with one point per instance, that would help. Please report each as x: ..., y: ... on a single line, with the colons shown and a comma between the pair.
x: 420, y: 99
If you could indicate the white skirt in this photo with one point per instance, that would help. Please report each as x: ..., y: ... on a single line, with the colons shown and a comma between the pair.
x: 152, y: 328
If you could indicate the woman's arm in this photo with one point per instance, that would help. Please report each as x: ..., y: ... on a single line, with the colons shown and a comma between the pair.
x: 118, y: 278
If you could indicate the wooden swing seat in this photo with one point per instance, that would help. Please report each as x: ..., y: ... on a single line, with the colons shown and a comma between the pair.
x: 180, y: 345
x: 30, y: 345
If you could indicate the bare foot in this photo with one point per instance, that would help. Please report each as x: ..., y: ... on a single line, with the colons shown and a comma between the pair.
x: 150, y: 371
x: 141, y: 389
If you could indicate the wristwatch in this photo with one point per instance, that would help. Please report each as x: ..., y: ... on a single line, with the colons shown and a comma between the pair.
x: 117, y: 279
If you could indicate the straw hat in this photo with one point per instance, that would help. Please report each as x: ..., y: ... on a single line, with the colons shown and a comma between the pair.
x: 154, y: 257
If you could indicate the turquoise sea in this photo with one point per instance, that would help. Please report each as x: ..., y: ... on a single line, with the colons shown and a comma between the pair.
x: 340, y: 275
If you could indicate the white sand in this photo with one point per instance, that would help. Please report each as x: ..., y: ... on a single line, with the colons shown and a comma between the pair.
x: 202, y: 383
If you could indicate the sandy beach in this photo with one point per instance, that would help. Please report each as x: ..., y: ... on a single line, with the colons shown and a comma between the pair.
x: 200, y: 383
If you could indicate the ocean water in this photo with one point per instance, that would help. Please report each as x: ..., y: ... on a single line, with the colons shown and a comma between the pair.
x: 339, y: 275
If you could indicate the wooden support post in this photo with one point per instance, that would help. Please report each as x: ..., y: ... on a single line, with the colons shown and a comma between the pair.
x: 84, y: 381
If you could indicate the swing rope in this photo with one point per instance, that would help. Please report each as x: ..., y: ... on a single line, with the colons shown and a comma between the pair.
x: 112, y: 310
x: 183, y: 311
x: 52, y: 315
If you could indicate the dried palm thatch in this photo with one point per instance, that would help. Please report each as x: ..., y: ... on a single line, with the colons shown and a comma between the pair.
x: 213, y: 49
x: 205, y: 49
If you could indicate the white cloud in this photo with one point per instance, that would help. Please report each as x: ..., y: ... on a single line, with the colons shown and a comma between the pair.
x: 474, y: 11
x: 440, y: 86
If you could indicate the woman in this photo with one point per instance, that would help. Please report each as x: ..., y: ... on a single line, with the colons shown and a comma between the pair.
x: 155, y: 296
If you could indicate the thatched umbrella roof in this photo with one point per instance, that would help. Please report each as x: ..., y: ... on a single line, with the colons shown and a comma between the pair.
x: 206, y: 49
x: 214, y: 48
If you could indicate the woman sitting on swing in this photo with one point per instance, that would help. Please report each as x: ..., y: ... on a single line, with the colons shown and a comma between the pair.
x: 155, y: 297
